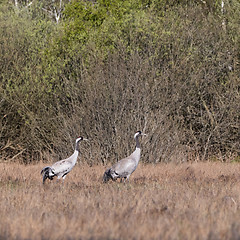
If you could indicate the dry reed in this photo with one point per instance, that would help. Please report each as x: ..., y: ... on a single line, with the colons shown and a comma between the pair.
x: 164, y: 201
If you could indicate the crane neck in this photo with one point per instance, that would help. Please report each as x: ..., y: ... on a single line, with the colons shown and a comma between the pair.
x: 77, y: 147
x: 137, y: 142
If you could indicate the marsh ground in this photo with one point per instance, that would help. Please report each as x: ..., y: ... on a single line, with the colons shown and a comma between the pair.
x: 163, y: 201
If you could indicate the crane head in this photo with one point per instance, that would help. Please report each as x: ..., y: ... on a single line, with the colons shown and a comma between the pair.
x: 81, y: 139
x: 139, y: 133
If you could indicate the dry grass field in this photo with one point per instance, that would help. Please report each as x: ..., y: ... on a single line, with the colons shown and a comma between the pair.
x: 164, y: 201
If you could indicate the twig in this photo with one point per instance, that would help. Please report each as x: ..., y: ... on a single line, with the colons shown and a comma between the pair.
x: 17, y: 155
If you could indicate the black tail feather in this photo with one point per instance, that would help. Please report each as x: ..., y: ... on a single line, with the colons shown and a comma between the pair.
x: 107, y: 175
x: 45, y: 172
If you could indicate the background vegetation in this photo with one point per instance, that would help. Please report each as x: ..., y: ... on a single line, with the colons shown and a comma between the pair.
x: 163, y: 201
x: 105, y: 69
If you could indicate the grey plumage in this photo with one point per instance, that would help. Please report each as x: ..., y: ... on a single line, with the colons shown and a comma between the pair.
x: 63, y: 167
x: 125, y: 167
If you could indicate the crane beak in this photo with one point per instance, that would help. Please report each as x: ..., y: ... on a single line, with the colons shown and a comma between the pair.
x: 85, y: 139
x: 143, y: 134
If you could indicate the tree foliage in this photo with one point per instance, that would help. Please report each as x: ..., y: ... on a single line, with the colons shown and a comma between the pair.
x: 110, y: 68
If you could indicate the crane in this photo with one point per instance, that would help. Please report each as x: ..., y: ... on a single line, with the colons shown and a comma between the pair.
x: 125, y: 167
x: 62, y: 167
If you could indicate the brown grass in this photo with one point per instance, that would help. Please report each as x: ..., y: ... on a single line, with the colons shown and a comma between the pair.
x: 164, y: 201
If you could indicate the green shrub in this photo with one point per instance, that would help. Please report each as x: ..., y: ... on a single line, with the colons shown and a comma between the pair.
x: 111, y: 68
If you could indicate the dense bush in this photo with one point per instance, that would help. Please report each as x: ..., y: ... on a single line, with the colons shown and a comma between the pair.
x: 111, y: 68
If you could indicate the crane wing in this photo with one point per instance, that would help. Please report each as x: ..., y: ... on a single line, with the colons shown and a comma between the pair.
x: 124, y: 167
x: 62, y: 166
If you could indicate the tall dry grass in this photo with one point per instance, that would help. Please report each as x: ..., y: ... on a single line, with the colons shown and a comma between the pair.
x: 164, y: 201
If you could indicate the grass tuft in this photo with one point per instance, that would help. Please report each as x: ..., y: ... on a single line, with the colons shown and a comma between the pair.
x: 164, y: 201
